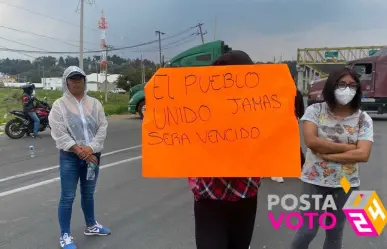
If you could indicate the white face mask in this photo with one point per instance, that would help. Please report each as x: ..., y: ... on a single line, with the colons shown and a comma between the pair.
x: 344, y: 96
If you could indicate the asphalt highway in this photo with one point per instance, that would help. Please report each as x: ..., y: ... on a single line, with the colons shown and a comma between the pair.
x: 142, y: 213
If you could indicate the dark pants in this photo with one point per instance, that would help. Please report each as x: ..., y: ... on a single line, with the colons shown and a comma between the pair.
x: 333, y: 237
x: 73, y: 169
x: 36, y: 120
x: 224, y: 224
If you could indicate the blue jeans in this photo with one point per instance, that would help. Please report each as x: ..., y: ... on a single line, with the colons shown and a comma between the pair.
x: 36, y: 120
x: 71, y: 169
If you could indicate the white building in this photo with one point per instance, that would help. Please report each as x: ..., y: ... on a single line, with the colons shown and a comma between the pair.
x: 100, y: 77
x: 52, y: 83
x: 94, y: 81
x: 19, y: 84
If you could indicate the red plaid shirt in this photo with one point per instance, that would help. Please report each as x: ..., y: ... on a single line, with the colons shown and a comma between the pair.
x: 229, y: 189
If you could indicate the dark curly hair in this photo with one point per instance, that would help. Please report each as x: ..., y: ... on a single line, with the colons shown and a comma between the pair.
x: 331, y: 85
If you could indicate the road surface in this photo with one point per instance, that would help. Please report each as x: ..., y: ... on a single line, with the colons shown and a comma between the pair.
x: 142, y: 213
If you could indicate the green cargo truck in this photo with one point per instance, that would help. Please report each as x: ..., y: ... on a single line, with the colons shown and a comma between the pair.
x: 202, y: 55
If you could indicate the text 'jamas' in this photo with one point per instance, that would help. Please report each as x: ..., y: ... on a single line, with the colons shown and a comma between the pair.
x: 260, y: 103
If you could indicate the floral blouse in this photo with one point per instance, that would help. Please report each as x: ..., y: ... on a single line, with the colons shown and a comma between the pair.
x: 358, y: 126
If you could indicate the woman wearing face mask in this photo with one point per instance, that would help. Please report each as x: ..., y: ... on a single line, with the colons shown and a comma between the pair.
x: 338, y: 136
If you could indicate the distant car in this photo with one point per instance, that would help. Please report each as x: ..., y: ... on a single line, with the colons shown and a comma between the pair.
x: 118, y: 90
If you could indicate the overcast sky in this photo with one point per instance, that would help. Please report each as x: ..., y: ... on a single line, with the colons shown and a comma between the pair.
x: 262, y: 28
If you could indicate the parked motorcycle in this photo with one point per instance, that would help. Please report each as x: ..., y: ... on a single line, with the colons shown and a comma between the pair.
x: 23, y: 125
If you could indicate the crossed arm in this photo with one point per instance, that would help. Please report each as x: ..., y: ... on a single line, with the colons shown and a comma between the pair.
x: 335, y: 152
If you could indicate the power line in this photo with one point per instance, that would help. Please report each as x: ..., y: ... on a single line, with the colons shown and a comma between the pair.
x: 72, y: 52
x: 166, y: 47
x: 181, y: 40
x: 39, y: 35
x: 44, y: 15
x: 6, y: 39
x: 91, y: 2
x: 177, y: 44
x: 22, y: 53
x: 174, y: 35
x: 185, y: 41
x: 179, y: 33
x: 182, y: 43
x: 154, y: 49
x: 183, y: 32
x: 89, y: 51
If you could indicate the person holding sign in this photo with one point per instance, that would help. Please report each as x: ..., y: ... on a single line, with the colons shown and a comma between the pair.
x: 299, y: 109
x: 225, y: 208
x: 338, y: 136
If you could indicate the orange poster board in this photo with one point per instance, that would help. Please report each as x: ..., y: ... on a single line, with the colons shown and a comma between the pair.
x: 223, y: 121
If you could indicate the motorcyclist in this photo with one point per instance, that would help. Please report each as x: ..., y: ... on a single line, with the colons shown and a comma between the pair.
x: 28, y: 105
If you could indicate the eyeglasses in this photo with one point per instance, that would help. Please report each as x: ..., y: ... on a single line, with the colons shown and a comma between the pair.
x: 344, y: 85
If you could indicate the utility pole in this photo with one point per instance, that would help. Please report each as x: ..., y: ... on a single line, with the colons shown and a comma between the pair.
x: 201, y: 32
x: 44, y: 79
x: 159, y: 33
x: 142, y: 71
x: 81, y: 34
x: 96, y: 69
x: 107, y: 47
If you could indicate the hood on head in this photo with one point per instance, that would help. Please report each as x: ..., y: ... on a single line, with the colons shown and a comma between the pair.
x: 70, y: 71
x: 234, y: 57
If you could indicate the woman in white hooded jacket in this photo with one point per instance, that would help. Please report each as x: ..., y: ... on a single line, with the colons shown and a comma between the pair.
x: 79, y: 128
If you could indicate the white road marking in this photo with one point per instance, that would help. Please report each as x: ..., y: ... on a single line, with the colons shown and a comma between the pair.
x: 121, y: 150
x: 42, y: 183
x: 57, y: 166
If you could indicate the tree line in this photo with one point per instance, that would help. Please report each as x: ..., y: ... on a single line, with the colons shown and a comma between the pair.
x: 48, y: 66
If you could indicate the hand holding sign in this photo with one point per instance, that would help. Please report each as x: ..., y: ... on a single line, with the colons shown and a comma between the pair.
x: 223, y: 121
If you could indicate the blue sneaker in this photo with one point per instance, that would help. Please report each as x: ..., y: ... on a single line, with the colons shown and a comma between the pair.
x: 97, y: 229
x: 67, y: 242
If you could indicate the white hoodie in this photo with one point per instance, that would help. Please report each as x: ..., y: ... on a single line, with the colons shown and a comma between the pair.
x: 77, y: 122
